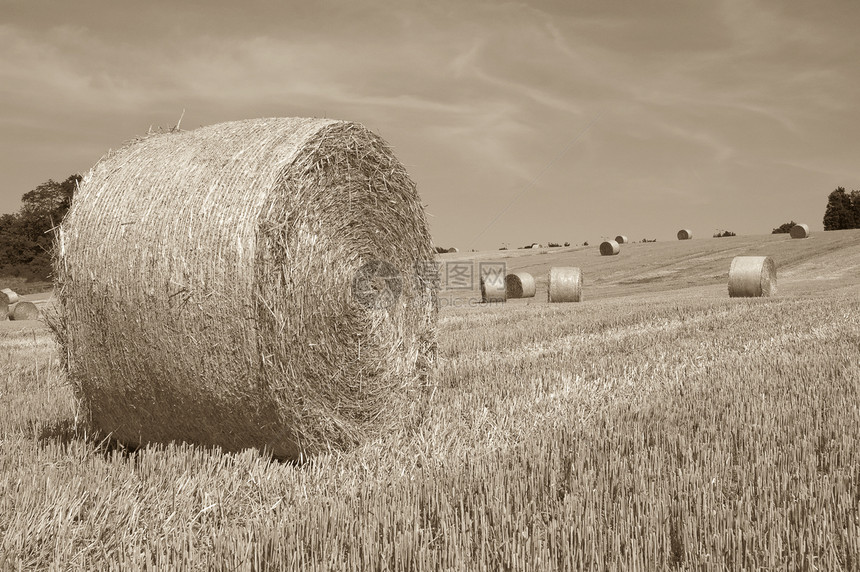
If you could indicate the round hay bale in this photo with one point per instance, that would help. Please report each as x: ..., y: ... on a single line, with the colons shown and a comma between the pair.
x: 799, y: 231
x: 24, y: 311
x: 685, y: 234
x: 565, y: 284
x: 9, y: 295
x: 4, y: 309
x: 520, y: 285
x: 752, y: 276
x: 302, y: 222
x: 493, y: 288
x: 621, y: 239
x: 609, y: 248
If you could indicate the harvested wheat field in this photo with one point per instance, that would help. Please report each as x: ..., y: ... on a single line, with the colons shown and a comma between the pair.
x: 239, y: 322
x: 656, y: 425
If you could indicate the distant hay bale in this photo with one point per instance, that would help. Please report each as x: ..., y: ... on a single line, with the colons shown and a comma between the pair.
x: 799, y: 231
x: 258, y: 283
x: 520, y: 285
x: 493, y: 288
x: 24, y: 311
x: 565, y: 284
x: 609, y: 248
x: 9, y: 295
x: 621, y: 239
x: 752, y: 276
x: 685, y: 234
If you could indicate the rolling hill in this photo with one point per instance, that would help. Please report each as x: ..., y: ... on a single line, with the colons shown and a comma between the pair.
x: 699, y: 267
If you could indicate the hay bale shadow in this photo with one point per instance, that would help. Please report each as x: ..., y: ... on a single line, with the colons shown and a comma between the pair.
x: 66, y: 432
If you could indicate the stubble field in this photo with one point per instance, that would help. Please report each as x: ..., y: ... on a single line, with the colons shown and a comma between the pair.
x: 656, y: 425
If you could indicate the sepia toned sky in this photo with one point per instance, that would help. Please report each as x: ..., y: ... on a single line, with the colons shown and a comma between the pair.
x: 520, y: 122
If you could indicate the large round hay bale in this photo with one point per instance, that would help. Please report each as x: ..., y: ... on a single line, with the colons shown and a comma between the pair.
x: 520, y: 285
x: 310, y: 226
x: 752, y: 276
x: 609, y: 248
x: 493, y: 288
x: 9, y: 295
x: 621, y: 239
x: 565, y: 284
x: 24, y: 311
x: 685, y: 234
x: 4, y: 309
x: 799, y: 231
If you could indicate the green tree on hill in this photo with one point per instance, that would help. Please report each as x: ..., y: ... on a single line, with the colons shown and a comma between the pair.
x: 26, y: 238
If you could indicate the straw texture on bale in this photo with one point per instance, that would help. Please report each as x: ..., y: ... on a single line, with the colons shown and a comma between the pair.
x: 799, y: 231
x: 621, y: 239
x: 565, y: 284
x: 752, y: 277
x: 10, y: 295
x: 685, y: 234
x: 520, y: 285
x: 4, y: 309
x: 24, y: 311
x: 493, y: 288
x: 232, y: 286
x: 609, y: 247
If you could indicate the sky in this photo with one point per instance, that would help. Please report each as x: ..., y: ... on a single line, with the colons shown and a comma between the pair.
x: 520, y: 122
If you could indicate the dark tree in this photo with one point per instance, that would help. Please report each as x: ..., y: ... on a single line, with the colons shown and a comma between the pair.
x: 784, y: 228
x: 26, y: 238
x: 855, y: 207
x: 839, y: 213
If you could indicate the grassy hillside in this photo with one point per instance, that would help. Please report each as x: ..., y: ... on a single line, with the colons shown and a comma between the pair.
x: 658, y: 425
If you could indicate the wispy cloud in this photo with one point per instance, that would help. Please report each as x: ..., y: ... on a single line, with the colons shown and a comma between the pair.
x: 699, y: 100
